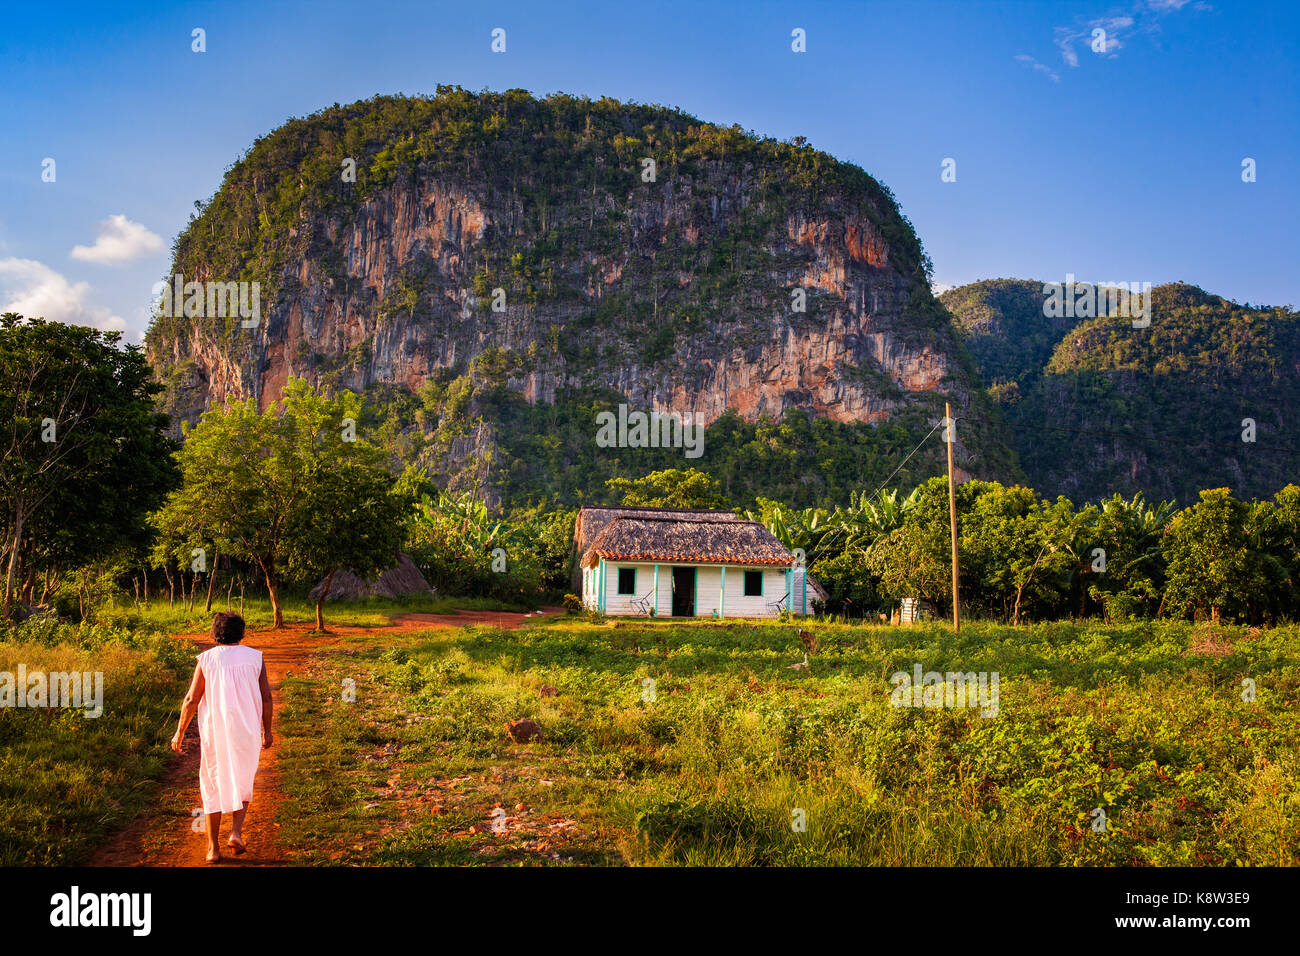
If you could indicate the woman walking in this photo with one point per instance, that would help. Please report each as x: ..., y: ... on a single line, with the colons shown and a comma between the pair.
x: 231, y: 696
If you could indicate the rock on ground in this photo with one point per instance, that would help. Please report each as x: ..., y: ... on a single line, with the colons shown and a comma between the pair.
x: 402, y: 579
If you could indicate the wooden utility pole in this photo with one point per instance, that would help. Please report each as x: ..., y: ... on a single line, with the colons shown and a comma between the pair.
x: 952, y: 519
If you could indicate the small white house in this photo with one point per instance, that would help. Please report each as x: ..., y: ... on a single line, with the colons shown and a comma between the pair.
x: 689, y: 564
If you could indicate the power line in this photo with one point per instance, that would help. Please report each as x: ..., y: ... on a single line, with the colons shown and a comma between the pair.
x: 908, y: 458
x: 830, y: 536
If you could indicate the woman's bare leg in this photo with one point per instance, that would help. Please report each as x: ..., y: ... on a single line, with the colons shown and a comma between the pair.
x: 237, y: 827
x: 214, y: 834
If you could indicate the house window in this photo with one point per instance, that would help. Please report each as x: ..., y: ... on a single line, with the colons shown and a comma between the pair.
x: 627, y: 580
x: 753, y: 584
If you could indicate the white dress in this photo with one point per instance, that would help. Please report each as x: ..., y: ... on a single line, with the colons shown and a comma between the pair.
x: 230, y: 726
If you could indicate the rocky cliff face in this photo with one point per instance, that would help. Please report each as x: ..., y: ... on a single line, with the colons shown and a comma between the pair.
x: 520, y: 237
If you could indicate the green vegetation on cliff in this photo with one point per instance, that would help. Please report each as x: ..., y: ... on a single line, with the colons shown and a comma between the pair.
x: 564, y: 164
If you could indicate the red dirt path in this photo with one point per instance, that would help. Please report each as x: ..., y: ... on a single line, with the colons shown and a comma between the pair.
x: 163, y: 835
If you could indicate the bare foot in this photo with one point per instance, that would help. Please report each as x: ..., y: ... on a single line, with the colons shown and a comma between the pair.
x: 236, y: 844
x: 214, y: 856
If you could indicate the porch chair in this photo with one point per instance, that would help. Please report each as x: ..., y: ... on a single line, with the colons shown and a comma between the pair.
x: 644, y: 604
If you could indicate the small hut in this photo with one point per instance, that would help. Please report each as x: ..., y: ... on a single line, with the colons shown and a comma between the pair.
x: 694, y: 564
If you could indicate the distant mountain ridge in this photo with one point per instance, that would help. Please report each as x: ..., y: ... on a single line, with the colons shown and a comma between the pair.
x: 1203, y: 367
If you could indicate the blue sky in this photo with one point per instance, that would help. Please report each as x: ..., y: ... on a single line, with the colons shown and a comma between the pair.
x: 1115, y: 166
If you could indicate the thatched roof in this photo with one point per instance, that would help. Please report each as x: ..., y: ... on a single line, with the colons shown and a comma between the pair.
x: 695, y: 539
x: 403, y: 578
x: 593, y: 520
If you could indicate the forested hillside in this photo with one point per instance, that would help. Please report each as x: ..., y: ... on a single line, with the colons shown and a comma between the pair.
x: 1100, y: 407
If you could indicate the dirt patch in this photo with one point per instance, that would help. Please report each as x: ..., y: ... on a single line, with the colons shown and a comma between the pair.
x: 165, y: 836
x: 1209, y: 644
x: 507, y: 619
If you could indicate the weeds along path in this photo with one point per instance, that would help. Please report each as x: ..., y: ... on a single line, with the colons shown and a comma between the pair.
x: 165, y: 834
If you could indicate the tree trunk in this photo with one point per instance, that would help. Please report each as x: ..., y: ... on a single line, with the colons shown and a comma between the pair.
x: 1015, y: 617
x: 29, y: 587
x: 320, y: 601
x: 273, y: 591
x: 171, y: 588
x: 212, y: 579
x: 14, y: 543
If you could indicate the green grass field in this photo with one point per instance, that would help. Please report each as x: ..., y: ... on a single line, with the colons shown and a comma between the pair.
x: 1146, y: 722
x: 66, y: 780
x: 733, y: 748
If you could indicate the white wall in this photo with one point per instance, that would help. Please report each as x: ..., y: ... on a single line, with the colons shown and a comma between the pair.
x: 708, y: 596
x: 616, y: 603
x: 737, y: 605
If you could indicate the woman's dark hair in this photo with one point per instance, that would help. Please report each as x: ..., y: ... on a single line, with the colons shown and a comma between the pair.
x: 227, y: 628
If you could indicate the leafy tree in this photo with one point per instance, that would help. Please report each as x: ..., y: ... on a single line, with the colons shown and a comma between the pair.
x: 1209, y: 557
x: 85, y: 456
x: 909, y: 565
x: 1285, y: 545
x: 256, y: 485
x: 671, y: 488
x: 796, y: 529
x: 1130, y: 535
x: 1015, y: 548
x: 352, y: 520
x: 455, y: 540
x: 836, y: 543
x: 550, y: 537
x: 852, y: 587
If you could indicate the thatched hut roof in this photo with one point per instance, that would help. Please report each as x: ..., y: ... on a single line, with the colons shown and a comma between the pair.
x: 593, y: 520
x: 697, y: 539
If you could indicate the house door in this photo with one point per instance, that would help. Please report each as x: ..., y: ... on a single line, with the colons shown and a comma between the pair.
x: 683, y: 592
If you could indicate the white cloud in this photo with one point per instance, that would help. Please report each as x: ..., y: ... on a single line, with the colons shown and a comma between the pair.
x: 1029, y: 61
x: 35, y: 290
x: 118, y: 240
x: 1118, y: 29
x: 1143, y: 17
